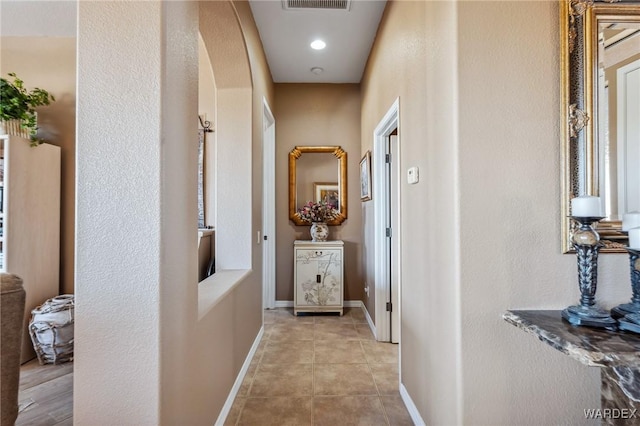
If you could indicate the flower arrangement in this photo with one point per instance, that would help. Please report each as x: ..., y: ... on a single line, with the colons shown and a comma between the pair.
x: 317, y: 212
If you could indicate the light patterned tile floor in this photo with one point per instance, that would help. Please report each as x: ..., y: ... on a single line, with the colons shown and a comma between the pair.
x: 320, y: 370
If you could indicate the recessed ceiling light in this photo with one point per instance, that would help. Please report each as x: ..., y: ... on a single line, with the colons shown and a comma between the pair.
x: 317, y: 70
x: 318, y: 44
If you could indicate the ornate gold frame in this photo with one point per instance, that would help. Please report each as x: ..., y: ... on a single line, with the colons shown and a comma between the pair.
x: 578, y: 62
x: 341, y: 155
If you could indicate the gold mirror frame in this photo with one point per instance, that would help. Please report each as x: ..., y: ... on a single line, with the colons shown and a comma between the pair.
x: 579, y: 46
x: 341, y: 155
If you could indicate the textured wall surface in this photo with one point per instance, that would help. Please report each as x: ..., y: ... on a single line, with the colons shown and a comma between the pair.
x: 118, y: 212
x: 482, y: 124
x: 414, y: 59
x: 510, y: 219
x: 136, y: 272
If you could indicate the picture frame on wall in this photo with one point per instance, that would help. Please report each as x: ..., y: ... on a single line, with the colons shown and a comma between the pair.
x: 365, y: 177
x: 327, y: 192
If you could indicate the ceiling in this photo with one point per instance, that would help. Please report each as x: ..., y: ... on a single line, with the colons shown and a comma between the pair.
x: 286, y: 35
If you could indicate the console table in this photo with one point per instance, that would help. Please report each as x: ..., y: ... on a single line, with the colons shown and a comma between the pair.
x: 318, y: 276
x: 617, y: 353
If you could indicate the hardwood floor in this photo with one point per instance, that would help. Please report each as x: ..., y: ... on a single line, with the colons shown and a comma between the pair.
x: 46, y: 394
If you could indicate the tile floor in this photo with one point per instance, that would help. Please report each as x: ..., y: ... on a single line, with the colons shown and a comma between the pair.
x: 320, y: 370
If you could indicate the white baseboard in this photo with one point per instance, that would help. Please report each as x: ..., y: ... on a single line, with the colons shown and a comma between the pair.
x: 372, y: 326
x: 411, y: 407
x: 347, y: 304
x: 236, y: 386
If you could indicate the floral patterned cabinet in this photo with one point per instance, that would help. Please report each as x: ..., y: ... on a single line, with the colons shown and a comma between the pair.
x: 318, y: 276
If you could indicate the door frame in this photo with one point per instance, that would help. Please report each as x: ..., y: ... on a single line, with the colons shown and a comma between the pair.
x: 268, y: 238
x: 382, y: 244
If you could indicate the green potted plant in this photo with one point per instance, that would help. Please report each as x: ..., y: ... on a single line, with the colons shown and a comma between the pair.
x: 18, y: 103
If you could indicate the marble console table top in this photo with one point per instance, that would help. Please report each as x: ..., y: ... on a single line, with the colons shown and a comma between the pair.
x: 590, y: 346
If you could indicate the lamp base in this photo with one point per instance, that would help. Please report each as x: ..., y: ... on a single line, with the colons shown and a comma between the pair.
x: 624, y: 309
x: 589, y: 317
x: 630, y: 322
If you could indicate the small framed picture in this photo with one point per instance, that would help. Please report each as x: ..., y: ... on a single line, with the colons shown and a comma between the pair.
x: 327, y: 192
x: 365, y: 177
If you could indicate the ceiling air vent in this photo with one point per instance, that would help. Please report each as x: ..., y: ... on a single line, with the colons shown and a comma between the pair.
x: 316, y: 4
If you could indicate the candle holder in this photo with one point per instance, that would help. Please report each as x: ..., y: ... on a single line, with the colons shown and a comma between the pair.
x: 586, y: 241
x: 629, y: 313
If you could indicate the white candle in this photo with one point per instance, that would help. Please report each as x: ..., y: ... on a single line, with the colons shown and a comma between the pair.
x: 586, y: 206
x: 634, y: 238
x: 630, y: 220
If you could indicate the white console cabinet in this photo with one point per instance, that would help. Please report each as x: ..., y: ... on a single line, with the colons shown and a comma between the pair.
x: 318, y: 276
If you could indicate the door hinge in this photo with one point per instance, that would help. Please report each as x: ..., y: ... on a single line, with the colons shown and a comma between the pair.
x: 264, y: 238
x: 389, y: 307
x: 387, y: 158
x: 389, y: 232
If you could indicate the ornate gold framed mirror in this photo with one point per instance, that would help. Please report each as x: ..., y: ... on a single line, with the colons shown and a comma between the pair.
x: 600, y: 67
x: 317, y: 173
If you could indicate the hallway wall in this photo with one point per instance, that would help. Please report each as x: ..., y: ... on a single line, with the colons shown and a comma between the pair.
x: 479, y: 101
x: 147, y: 341
x: 318, y: 115
x: 414, y: 59
x: 514, y: 259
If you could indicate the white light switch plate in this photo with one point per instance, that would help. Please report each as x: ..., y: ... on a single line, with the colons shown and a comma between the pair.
x: 412, y: 175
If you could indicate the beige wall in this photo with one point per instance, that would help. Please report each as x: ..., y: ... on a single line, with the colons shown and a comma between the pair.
x: 514, y: 260
x: 479, y: 102
x: 50, y: 63
x: 184, y: 355
x: 413, y: 59
x: 317, y: 115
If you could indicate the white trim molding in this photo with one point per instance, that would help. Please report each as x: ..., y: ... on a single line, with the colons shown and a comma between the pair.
x: 372, y: 326
x: 226, y: 408
x: 411, y: 407
x: 268, y: 206
x: 347, y: 304
x: 389, y: 122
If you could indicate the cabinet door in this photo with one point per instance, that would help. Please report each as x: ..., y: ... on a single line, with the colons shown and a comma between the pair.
x: 318, y: 277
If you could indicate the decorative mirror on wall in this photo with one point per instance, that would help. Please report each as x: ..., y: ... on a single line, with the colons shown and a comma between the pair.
x: 600, y: 62
x: 317, y: 173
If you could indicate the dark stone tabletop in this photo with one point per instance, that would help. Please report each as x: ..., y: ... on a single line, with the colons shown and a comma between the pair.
x: 590, y: 346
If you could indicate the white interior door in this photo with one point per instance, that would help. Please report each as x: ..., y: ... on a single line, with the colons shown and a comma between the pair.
x: 269, y: 209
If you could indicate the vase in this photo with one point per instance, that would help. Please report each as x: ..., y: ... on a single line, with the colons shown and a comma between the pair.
x: 319, y: 231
